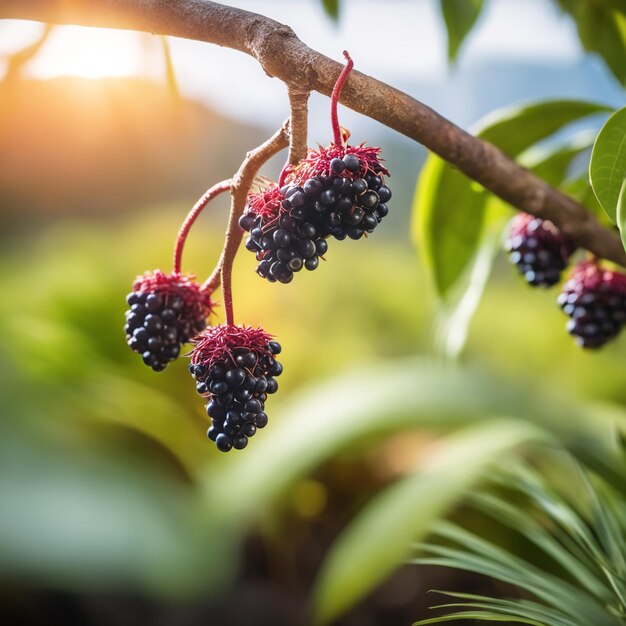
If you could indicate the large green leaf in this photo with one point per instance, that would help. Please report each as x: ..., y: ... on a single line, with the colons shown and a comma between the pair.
x: 516, y: 128
x: 449, y: 210
x: 407, y: 510
x: 607, y: 168
x: 621, y: 213
x: 448, y: 214
x: 551, y: 163
x: 457, y: 311
x: 460, y: 17
x: 600, y: 31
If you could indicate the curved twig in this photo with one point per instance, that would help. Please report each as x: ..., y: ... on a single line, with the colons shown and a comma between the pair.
x: 240, y: 186
x: 298, y: 123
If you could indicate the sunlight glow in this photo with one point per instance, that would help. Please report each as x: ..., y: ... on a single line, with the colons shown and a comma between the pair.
x: 89, y: 53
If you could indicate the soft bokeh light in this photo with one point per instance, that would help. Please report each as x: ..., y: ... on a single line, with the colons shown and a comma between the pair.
x: 89, y: 53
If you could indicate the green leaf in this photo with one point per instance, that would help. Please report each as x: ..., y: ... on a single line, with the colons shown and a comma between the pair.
x: 600, y: 31
x: 516, y: 128
x: 483, y: 616
x: 518, y: 519
x: 460, y: 17
x: 585, y: 589
x: 607, y: 168
x: 456, y: 312
x: 621, y: 213
x: 332, y: 8
x: 476, y: 555
x: 526, y: 609
x: 552, y: 163
x: 449, y: 210
x: 448, y: 221
x: 407, y: 511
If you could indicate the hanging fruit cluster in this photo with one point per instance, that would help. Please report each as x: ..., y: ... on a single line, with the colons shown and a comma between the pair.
x: 338, y: 191
x: 593, y: 297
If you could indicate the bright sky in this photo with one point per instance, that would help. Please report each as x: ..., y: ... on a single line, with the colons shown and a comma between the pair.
x: 401, y: 41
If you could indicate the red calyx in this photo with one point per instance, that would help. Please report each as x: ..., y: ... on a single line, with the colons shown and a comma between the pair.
x: 267, y: 203
x: 196, y: 300
x: 317, y: 162
x: 216, y: 343
x: 589, y: 275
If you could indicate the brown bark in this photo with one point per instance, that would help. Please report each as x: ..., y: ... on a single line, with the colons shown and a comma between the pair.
x: 240, y: 186
x: 284, y: 56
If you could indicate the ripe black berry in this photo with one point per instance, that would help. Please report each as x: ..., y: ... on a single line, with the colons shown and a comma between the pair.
x: 345, y: 187
x: 234, y: 369
x: 595, y: 301
x: 166, y: 311
x: 539, y: 249
x: 285, y: 233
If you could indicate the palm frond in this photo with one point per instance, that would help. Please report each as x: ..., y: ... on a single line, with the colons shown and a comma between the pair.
x: 580, y: 581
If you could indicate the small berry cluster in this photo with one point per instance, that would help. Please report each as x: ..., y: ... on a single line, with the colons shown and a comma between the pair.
x: 594, y: 298
x: 289, y: 226
x: 166, y: 310
x: 595, y: 301
x: 235, y: 369
x: 337, y: 191
x: 538, y: 249
x: 284, y: 241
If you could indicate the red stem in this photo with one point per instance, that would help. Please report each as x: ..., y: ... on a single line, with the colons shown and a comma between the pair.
x: 283, y: 175
x: 191, y: 218
x: 334, y: 98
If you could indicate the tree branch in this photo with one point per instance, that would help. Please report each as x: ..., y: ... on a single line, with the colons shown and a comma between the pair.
x: 239, y: 188
x: 298, y: 123
x: 284, y: 56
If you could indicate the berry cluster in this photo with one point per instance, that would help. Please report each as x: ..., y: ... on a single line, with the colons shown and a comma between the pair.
x: 166, y: 311
x: 345, y: 187
x: 336, y: 191
x: 235, y: 369
x: 284, y: 241
x: 595, y: 301
x: 538, y: 249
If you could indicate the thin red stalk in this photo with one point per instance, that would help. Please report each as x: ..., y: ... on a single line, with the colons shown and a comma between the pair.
x: 283, y: 174
x: 241, y: 184
x: 334, y: 98
x: 181, y: 238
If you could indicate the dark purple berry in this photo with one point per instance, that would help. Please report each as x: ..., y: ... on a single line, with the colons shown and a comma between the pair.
x: 595, y: 301
x: 234, y: 386
x: 538, y: 249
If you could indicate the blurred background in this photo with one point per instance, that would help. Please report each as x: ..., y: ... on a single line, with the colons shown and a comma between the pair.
x: 109, y: 510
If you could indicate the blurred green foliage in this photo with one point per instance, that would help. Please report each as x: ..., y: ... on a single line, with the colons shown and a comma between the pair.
x: 112, y: 480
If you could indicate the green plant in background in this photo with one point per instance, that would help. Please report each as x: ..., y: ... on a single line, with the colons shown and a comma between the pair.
x: 458, y: 225
x: 577, y: 573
